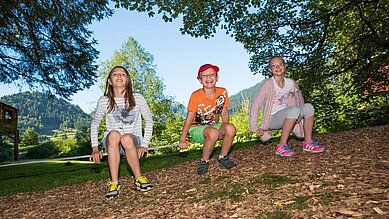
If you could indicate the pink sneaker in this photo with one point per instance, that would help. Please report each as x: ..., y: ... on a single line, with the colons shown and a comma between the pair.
x: 284, y: 151
x: 314, y: 147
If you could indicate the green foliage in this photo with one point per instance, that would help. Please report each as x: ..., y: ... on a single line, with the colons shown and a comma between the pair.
x: 67, y: 147
x: 61, y: 146
x: 320, y: 39
x: 29, y: 138
x: 172, y: 131
x: 46, y: 45
x: 240, y: 118
x: 339, y: 108
x: 45, y: 113
x: 83, y: 142
x: 8, y: 153
x: 47, y: 149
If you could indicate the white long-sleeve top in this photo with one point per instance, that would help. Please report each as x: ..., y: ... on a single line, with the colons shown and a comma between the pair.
x: 123, y: 121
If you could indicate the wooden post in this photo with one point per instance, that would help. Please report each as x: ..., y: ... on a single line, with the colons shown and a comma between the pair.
x: 2, y: 150
x: 16, y: 146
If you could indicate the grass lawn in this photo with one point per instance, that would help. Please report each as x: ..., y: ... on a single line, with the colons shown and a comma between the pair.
x: 50, y: 174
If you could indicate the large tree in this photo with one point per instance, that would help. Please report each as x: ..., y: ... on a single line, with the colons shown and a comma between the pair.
x: 29, y: 137
x: 46, y: 44
x: 320, y: 39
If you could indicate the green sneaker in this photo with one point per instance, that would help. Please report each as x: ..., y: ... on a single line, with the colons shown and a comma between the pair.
x: 113, y: 189
x: 142, y: 184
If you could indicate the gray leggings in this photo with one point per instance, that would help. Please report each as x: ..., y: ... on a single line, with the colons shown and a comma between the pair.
x: 292, y: 112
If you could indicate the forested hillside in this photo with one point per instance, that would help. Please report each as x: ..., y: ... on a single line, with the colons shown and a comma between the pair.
x: 45, y: 113
x: 246, y: 94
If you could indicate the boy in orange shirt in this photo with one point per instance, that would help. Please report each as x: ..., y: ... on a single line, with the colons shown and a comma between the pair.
x: 206, y: 106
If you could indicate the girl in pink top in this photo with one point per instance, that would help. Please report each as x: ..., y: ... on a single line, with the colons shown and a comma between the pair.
x: 283, y: 108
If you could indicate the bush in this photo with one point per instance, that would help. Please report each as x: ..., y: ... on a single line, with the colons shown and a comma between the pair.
x: 47, y: 149
x: 8, y: 153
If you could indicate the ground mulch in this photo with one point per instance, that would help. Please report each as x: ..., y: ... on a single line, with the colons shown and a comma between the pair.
x: 350, y: 180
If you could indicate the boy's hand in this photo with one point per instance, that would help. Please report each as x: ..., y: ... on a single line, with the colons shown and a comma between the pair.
x: 183, y: 144
x: 96, y: 155
x: 260, y: 132
x: 142, y: 151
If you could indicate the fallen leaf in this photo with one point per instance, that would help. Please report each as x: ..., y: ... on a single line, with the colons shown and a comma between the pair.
x: 289, y: 202
x: 191, y: 190
x: 349, y: 213
x: 228, y: 203
x: 378, y: 210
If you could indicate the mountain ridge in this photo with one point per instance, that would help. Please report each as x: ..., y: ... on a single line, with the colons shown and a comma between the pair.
x: 245, y: 94
x: 45, y: 113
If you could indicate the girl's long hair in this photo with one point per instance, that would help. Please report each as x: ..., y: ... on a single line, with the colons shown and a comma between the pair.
x: 128, y: 95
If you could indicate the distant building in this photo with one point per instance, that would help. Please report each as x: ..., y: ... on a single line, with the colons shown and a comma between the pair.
x: 9, y: 127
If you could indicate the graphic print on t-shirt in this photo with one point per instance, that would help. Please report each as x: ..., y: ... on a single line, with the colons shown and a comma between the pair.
x: 206, y: 115
x: 121, y: 115
x: 281, y: 98
x: 281, y: 95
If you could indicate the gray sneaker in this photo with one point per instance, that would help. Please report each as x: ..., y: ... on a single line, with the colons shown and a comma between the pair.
x: 202, y: 167
x: 226, y: 162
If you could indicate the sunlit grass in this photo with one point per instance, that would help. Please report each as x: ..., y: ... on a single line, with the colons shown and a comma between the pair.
x: 44, y: 175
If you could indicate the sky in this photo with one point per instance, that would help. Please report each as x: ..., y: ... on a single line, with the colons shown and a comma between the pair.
x: 177, y: 57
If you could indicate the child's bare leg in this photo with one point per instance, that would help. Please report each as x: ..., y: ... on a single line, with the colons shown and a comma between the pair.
x: 131, y: 151
x: 113, y: 150
x: 227, y: 131
x: 211, y: 135
x: 287, y: 128
x: 308, y: 126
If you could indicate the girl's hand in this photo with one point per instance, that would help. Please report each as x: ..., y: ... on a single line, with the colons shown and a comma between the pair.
x: 142, y: 151
x: 96, y: 155
x: 183, y: 144
x: 260, y: 132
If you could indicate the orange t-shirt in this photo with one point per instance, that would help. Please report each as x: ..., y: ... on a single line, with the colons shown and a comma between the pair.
x: 207, y: 111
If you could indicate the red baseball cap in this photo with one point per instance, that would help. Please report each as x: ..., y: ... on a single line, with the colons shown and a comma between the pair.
x: 205, y: 67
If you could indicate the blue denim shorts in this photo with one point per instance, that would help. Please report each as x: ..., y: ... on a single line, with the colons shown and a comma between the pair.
x: 121, y: 148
